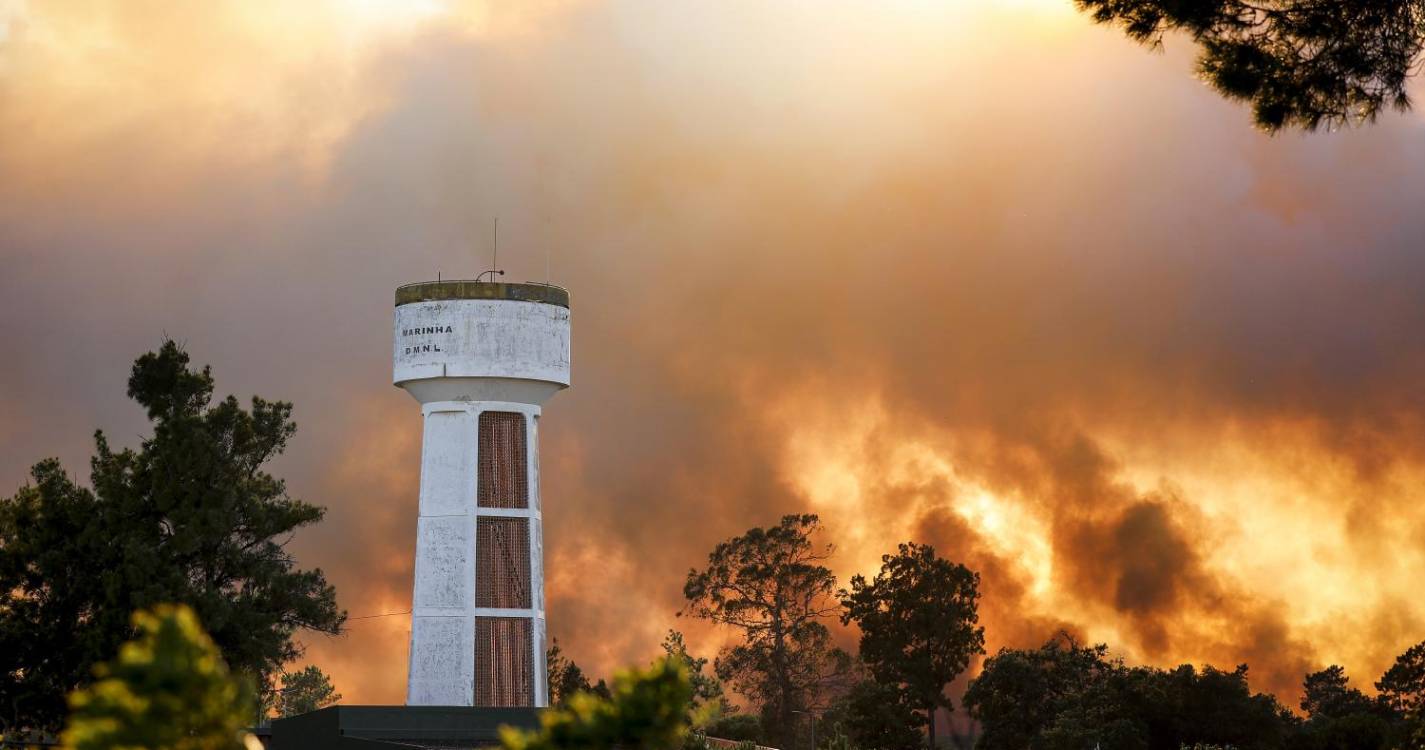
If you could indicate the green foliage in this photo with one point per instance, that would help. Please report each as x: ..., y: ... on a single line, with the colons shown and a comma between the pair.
x: 566, y: 679
x: 1019, y: 693
x: 646, y: 709
x: 709, y: 699
x: 695, y: 741
x: 1402, y: 691
x: 874, y: 716
x: 919, y: 626
x: 1063, y: 695
x: 1299, y: 63
x: 167, y: 690
x: 1357, y: 731
x: 304, y: 691
x: 1185, y: 705
x: 736, y: 727
x: 839, y: 741
x: 1402, y: 686
x: 771, y: 584
x: 190, y: 517
x: 1326, y: 695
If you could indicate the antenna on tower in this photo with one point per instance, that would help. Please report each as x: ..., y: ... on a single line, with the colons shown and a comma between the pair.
x: 495, y: 256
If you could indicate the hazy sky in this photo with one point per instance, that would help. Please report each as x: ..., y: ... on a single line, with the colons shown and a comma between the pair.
x: 976, y: 274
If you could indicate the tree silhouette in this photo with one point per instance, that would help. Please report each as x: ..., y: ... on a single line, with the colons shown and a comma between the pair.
x: 919, y: 625
x: 190, y: 517
x: 307, y: 689
x: 1298, y: 63
x: 1063, y: 695
x: 771, y: 585
x: 567, y: 679
x: 873, y: 715
x: 709, y: 699
x: 1327, y: 695
x: 1403, y: 685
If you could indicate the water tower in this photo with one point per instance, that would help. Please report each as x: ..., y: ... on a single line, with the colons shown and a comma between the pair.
x: 481, y: 358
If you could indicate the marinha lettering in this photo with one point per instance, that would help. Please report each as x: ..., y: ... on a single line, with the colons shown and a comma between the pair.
x: 425, y: 331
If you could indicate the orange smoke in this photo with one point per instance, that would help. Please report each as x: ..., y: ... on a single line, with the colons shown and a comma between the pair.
x: 975, y: 275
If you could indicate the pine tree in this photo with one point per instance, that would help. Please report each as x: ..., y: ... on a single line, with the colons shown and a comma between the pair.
x: 1299, y: 63
x: 190, y: 517
x: 305, y: 690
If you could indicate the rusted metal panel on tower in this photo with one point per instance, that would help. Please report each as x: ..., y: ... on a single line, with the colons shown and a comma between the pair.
x: 504, y: 465
x: 504, y: 663
x: 502, y: 563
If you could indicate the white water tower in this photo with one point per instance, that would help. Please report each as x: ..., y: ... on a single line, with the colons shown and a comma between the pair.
x: 481, y: 358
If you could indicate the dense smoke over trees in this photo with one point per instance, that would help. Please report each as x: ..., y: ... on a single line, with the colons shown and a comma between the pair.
x: 1132, y: 303
x: 918, y: 626
x: 192, y: 517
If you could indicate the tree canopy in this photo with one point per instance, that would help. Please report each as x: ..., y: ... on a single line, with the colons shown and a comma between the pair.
x: 305, y: 690
x: 1403, y: 685
x: 772, y: 586
x: 709, y: 699
x: 190, y: 517
x: 1327, y: 695
x: 567, y: 679
x: 1064, y: 696
x: 919, y: 625
x: 1298, y: 63
x: 875, y: 716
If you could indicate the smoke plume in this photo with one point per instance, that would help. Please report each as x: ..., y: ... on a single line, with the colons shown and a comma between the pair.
x: 980, y: 276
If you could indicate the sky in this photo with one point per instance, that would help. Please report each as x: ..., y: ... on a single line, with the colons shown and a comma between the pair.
x: 979, y: 275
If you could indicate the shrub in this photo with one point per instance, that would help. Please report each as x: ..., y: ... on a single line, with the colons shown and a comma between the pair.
x: 168, y: 689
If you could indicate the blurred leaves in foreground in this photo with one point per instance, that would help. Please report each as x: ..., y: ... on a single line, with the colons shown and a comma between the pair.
x: 646, y: 709
x: 168, y: 689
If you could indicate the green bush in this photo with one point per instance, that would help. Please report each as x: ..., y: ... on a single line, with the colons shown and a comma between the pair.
x: 168, y: 689
x: 735, y: 727
x: 647, y: 709
x: 838, y: 741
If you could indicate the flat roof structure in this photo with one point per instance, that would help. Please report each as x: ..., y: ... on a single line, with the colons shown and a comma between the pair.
x: 438, y: 291
x: 395, y: 727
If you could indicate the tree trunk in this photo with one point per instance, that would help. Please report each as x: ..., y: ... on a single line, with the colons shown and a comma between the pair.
x: 930, y: 728
x: 785, y: 690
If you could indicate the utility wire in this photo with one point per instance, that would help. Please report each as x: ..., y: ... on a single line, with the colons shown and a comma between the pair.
x: 385, y: 614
